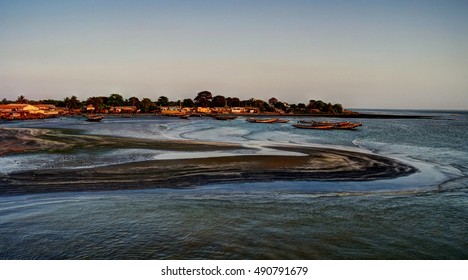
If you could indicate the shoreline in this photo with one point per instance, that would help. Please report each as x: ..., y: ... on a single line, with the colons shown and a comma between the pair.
x: 356, y: 115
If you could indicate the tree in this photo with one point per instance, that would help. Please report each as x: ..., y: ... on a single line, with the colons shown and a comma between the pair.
x: 134, y: 101
x: 72, y: 103
x: 317, y: 104
x: 258, y: 103
x: 267, y: 107
x: 203, y: 99
x: 97, y: 102
x: 115, y: 100
x: 188, y: 103
x: 338, y: 108
x: 233, y: 102
x: 272, y: 101
x: 22, y: 100
x: 280, y: 105
x: 146, y: 105
x: 163, y: 101
x: 218, y: 101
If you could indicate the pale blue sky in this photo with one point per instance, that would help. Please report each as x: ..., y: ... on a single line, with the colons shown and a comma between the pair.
x: 374, y: 54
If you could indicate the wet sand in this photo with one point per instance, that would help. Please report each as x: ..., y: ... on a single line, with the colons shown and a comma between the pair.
x: 315, y: 164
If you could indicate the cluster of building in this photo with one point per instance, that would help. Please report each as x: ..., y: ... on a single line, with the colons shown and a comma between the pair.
x: 41, y: 111
x: 176, y: 110
x: 28, y: 111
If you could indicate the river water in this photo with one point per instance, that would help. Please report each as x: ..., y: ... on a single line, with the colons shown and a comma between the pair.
x: 421, y: 216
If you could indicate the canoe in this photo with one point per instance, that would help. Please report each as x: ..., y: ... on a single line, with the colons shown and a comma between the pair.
x: 224, y: 117
x: 335, y: 125
x: 311, y: 126
x: 347, y: 126
x: 274, y: 120
x: 94, y: 118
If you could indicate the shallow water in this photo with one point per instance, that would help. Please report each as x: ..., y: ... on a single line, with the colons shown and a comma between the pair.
x: 421, y: 216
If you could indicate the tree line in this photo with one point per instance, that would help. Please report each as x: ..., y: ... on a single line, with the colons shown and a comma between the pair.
x: 202, y: 99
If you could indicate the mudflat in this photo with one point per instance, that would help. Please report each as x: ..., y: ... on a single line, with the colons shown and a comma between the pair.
x: 311, y: 163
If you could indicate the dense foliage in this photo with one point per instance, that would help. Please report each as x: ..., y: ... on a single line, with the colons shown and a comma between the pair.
x: 202, y: 99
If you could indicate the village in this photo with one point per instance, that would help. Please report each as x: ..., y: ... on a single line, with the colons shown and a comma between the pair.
x: 203, y: 104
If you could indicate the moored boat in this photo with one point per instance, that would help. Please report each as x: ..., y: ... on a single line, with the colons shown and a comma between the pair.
x: 94, y: 118
x: 312, y: 126
x: 224, y: 117
x: 327, y: 125
x: 272, y: 120
x: 347, y: 126
x: 254, y: 120
x: 281, y: 121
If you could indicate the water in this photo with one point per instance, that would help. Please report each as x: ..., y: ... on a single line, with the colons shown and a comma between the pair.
x: 421, y: 216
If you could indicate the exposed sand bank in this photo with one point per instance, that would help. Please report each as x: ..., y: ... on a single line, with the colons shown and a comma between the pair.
x: 315, y: 164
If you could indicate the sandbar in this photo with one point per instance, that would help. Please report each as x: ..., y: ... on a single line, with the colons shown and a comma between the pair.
x: 318, y: 164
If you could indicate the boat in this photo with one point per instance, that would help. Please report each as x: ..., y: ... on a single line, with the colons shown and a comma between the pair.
x: 273, y: 120
x: 94, y: 118
x: 224, y: 117
x: 184, y: 116
x: 312, y: 126
x: 347, y: 126
x: 327, y: 125
x: 254, y: 120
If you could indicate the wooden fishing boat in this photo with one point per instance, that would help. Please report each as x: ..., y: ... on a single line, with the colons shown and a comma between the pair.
x: 254, y: 120
x: 347, y: 126
x: 312, y: 126
x: 326, y: 123
x: 224, y: 117
x: 94, y: 118
x: 281, y: 121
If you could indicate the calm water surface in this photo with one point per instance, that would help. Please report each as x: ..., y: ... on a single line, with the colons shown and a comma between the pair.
x: 422, y: 216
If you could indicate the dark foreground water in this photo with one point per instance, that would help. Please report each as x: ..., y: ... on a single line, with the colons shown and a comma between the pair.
x: 422, y: 216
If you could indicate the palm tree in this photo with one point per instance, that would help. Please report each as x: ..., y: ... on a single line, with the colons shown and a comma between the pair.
x: 72, y: 103
x: 22, y: 100
x: 97, y: 103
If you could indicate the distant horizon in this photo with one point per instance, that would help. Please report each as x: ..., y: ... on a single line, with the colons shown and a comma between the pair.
x: 369, y: 54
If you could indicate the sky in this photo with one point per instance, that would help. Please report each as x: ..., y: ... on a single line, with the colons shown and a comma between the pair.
x: 362, y: 54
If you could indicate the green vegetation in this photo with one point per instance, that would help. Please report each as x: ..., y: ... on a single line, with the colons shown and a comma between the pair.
x: 102, y: 104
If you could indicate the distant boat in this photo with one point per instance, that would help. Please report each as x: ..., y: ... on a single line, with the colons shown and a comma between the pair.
x: 273, y: 120
x: 184, y: 116
x: 347, y: 126
x: 312, y: 126
x: 254, y: 120
x: 224, y: 117
x: 94, y: 118
x: 327, y: 125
